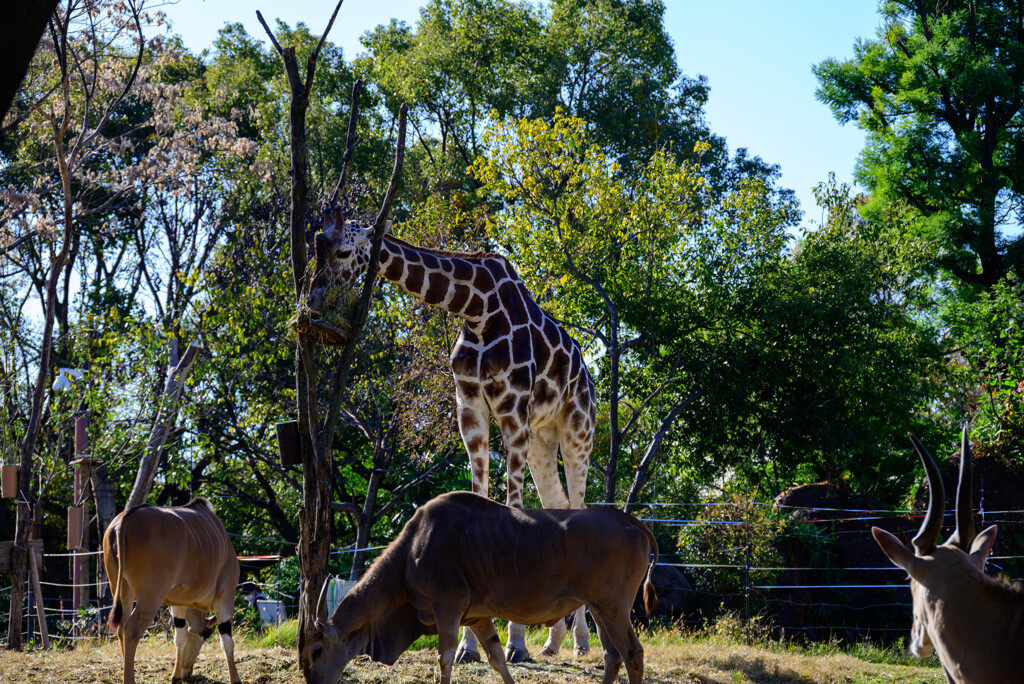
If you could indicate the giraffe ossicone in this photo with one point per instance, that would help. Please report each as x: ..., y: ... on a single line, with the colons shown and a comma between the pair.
x: 512, y: 362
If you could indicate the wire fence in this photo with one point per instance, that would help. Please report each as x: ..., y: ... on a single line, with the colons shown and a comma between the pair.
x: 808, y: 573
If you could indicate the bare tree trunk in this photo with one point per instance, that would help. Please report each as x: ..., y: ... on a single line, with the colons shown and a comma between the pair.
x: 317, y: 465
x: 645, y: 469
x: 317, y: 469
x: 165, y: 420
x: 23, y: 526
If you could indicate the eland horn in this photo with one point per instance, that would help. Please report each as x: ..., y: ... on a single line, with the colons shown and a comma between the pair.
x: 924, y: 542
x: 964, y: 533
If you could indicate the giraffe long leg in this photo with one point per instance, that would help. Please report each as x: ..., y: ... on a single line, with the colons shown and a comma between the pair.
x: 516, y: 434
x: 474, y: 420
x: 543, y: 460
x: 576, y: 440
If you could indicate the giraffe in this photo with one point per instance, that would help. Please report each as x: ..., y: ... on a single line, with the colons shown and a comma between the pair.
x: 512, y: 361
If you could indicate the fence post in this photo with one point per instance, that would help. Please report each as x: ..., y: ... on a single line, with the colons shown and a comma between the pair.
x: 746, y: 568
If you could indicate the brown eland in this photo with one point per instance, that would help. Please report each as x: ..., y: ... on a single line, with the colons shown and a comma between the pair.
x: 178, y: 556
x: 463, y: 559
x: 974, y: 622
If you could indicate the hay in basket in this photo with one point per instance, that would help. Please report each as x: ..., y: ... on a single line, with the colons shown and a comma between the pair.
x: 332, y: 324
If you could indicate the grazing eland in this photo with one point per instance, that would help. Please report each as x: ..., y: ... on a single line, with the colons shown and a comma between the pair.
x: 974, y: 622
x: 178, y: 556
x: 463, y: 559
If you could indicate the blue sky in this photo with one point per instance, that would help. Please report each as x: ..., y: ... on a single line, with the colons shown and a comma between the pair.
x: 757, y: 55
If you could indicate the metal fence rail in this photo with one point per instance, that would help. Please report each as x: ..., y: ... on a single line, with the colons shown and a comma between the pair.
x: 753, y: 600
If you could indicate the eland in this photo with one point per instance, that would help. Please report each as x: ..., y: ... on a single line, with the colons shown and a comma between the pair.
x: 974, y: 622
x: 463, y: 559
x: 178, y: 556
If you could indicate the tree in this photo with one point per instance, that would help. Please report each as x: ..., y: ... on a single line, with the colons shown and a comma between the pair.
x: 643, y: 264
x: 87, y: 88
x: 608, y: 62
x: 939, y: 92
x: 833, y: 361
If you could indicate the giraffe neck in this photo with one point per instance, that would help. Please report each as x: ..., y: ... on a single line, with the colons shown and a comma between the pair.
x: 461, y: 284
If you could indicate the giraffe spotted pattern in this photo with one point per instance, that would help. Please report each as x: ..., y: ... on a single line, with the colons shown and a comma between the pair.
x: 512, y: 361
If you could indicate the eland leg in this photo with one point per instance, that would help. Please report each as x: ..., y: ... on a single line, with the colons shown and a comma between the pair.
x: 492, y: 647
x: 225, y: 611
x: 182, y: 668
x: 447, y: 622
x: 131, y: 631
x: 620, y: 644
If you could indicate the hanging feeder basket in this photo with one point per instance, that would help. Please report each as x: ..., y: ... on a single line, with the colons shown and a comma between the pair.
x: 76, y: 525
x: 9, y: 481
x: 332, y: 324
x: 288, y: 443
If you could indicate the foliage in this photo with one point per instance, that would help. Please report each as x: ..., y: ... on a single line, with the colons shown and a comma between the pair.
x: 830, y: 363
x: 938, y: 91
x: 648, y: 267
x: 727, y: 538
x: 990, y: 331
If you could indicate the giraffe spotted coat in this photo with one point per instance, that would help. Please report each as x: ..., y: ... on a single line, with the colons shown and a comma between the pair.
x: 512, y: 361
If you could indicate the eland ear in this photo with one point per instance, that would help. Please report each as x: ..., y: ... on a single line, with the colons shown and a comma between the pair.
x: 981, y: 547
x: 892, y: 547
x: 328, y: 630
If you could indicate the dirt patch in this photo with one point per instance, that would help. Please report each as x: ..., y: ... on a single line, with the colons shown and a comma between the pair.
x: 699, y: 663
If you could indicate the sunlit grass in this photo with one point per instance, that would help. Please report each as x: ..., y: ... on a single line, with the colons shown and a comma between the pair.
x: 726, y: 652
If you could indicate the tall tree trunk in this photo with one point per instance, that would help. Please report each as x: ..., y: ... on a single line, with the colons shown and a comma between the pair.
x: 165, y: 421
x: 317, y: 469
x: 317, y: 465
x: 104, y: 498
x: 611, y: 474
x: 26, y: 503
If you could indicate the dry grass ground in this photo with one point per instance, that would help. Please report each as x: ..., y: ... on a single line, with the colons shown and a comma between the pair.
x: 678, y: 663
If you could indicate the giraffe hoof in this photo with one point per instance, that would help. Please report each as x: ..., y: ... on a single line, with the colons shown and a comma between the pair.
x: 516, y: 655
x: 581, y: 651
x: 548, y: 652
x: 465, y: 655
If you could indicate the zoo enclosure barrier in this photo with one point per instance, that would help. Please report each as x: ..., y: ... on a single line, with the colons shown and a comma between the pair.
x: 737, y: 560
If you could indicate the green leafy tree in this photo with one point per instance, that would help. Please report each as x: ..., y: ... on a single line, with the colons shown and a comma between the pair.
x: 835, y: 362
x: 643, y: 266
x: 608, y: 62
x: 939, y: 92
x: 990, y: 331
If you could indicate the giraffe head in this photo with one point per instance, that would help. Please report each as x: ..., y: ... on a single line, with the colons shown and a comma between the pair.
x: 342, y: 254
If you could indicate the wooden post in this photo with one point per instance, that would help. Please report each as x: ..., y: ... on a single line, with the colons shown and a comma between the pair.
x: 37, y: 590
x: 80, y: 541
x: 35, y: 556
